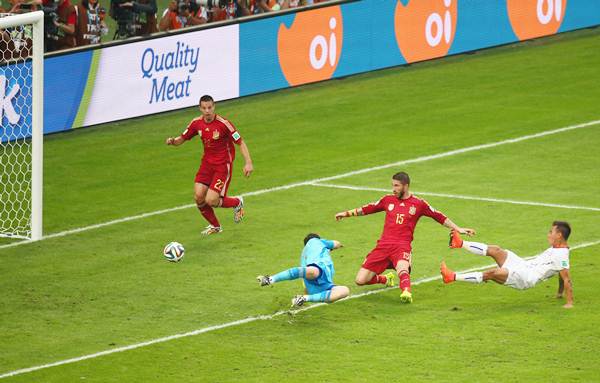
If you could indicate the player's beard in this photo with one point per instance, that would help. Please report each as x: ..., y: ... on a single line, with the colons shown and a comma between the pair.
x: 402, y: 193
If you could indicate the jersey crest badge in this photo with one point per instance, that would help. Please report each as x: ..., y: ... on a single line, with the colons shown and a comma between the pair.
x: 412, y: 210
x: 391, y: 207
x: 215, y: 135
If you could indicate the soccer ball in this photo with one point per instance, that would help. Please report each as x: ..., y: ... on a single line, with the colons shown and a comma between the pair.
x: 173, y: 252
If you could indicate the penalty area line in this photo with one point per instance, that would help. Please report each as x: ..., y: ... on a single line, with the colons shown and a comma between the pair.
x: 243, y: 321
x: 458, y: 196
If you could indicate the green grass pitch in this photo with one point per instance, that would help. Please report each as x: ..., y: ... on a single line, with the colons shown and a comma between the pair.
x: 103, y: 288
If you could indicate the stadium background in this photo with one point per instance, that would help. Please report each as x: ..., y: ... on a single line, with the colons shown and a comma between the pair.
x: 107, y: 84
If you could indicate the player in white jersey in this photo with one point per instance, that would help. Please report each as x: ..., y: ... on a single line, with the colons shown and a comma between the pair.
x: 515, y: 271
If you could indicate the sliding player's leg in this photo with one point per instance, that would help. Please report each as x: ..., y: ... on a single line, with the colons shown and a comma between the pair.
x: 370, y: 273
x: 403, y: 270
x: 497, y: 253
x: 498, y: 275
x: 331, y: 295
x: 309, y: 272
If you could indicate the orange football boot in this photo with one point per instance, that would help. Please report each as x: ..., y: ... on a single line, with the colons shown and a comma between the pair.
x: 448, y: 275
x: 456, y: 241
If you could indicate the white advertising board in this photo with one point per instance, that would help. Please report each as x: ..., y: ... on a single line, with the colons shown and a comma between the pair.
x: 164, y: 74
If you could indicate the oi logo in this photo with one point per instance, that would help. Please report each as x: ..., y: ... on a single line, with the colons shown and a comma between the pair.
x: 6, y: 101
x: 425, y: 29
x: 535, y: 18
x: 310, y: 49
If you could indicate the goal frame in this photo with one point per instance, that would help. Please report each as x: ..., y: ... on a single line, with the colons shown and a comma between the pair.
x: 36, y: 19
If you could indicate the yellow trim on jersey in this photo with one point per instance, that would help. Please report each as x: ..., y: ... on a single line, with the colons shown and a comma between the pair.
x: 226, y: 123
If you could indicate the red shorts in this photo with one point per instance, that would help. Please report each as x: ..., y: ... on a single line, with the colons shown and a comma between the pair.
x: 384, y: 257
x: 216, y: 177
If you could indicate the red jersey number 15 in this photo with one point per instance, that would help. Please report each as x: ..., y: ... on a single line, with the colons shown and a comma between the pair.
x: 399, y: 219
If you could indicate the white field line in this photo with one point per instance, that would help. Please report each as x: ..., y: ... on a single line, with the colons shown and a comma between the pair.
x: 317, y: 180
x: 466, y: 197
x: 240, y: 322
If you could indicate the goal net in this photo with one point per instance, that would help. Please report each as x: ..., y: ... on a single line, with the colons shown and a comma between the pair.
x: 21, y: 133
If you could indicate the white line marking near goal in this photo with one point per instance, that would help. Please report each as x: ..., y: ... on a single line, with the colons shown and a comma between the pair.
x: 240, y: 322
x: 317, y: 180
x: 466, y: 197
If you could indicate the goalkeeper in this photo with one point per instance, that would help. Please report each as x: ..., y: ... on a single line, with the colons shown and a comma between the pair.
x: 316, y: 269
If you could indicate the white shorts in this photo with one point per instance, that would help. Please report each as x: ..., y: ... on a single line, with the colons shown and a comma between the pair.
x: 521, y: 276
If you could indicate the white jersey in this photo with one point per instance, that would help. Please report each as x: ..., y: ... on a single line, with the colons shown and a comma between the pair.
x: 550, y: 262
x: 524, y: 274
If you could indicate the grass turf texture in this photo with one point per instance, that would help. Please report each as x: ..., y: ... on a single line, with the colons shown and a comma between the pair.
x: 105, y: 288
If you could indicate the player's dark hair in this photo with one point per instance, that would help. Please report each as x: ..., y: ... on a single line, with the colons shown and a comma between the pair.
x: 309, y: 237
x: 206, y: 98
x: 563, y: 227
x: 402, y: 177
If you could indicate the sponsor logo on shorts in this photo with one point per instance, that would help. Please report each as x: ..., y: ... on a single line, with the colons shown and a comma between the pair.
x: 310, y: 49
x: 425, y: 29
x: 535, y: 18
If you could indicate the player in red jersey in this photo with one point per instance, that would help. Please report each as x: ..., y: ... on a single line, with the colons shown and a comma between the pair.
x: 212, y: 179
x: 393, y: 250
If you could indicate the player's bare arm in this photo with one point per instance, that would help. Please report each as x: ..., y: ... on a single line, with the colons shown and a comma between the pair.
x: 568, y: 287
x: 349, y: 213
x: 336, y: 244
x: 175, y: 141
x: 248, y: 167
x: 462, y: 230
x: 561, y: 288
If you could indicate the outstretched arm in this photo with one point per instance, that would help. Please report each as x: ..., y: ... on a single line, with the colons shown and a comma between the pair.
x: 349, y: 213
x: 364, y: 210
x: 567, y: 287
x: 332, y: 244
x: 443, y: 220
x: 175, y: 141
x: 463, y: 230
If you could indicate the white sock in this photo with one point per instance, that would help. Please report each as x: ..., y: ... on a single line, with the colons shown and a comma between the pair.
x: 475, y: 247
x: 476, y: 277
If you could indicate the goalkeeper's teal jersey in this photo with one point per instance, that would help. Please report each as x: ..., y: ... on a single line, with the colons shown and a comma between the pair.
x: 316, y: 252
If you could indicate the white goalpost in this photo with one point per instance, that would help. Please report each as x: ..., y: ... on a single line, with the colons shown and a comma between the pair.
x: 21, y: 130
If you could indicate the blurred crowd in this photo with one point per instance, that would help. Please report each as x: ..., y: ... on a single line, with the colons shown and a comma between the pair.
x: 68, y: 24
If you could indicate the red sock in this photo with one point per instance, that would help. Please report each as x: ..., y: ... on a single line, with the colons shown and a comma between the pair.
x: 230, y: 202
x: 378, y: 279
x: 208, y: 213
x: 404, y: 278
